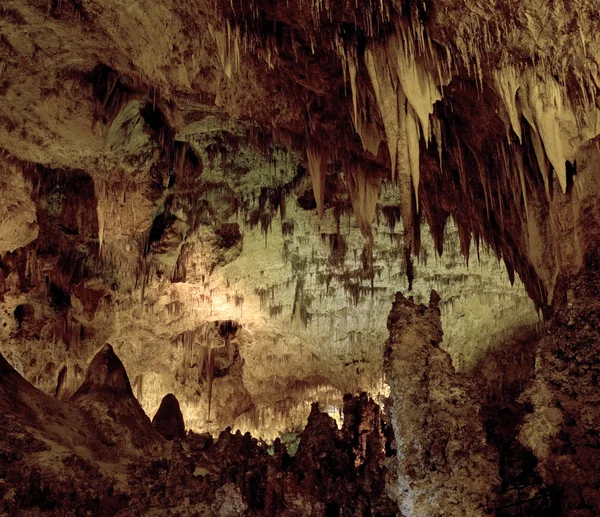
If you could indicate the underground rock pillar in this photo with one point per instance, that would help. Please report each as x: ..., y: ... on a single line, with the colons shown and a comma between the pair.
x: 444, y: 465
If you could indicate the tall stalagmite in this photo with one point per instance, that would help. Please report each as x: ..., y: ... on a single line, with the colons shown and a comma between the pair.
x: 444, y: 466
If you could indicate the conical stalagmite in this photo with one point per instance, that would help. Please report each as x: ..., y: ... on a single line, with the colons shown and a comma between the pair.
x: 168, y: 420
x: 107, y: 399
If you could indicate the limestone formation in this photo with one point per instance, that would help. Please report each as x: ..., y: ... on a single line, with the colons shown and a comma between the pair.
x: 562, y: 429
x: 168, y: 420
x: 107, y: 399
x: 231, y: 193
x: 444, y: 465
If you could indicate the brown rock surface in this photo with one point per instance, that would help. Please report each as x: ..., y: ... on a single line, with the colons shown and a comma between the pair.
x: 107, y: 399
x: 562, y: 430
x: 444, y: 465
x: 168, y: 420
x: 151, y: 151
x: 55, y: 459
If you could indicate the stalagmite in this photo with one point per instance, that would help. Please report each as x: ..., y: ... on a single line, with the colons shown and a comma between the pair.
x: 317, y: 167
x: 432, y: 415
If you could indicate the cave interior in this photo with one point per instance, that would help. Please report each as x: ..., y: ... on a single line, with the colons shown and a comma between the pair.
x: 300, y: 258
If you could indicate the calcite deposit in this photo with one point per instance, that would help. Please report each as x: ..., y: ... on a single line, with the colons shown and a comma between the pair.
x: 237, y: 196
x: 445, y: 465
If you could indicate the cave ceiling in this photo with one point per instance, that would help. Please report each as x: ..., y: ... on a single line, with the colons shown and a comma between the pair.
x: 230, y: 193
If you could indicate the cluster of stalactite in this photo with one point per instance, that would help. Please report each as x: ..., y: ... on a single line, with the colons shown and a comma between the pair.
x: 401, y: 83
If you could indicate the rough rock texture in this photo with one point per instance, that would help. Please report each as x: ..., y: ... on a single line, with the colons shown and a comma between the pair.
x: 134, y: 133
x: 168, y: 420
x: 17, y: 212
x: 563, y: 428
x: 345, y: 468
x: 106, y: 385
x: 53, y: 461
x: 444, y: 465
x: 310, y: 318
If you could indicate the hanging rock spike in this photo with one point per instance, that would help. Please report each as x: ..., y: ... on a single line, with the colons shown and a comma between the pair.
x: 317, y: 167
x: 364, y: 190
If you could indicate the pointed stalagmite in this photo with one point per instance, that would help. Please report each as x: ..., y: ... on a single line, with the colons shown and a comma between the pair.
x: 108, y: 401
x: 168, y: 420
x: 106, y: 373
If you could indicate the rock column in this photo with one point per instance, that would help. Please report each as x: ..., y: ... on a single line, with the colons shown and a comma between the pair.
x: 444, y: 464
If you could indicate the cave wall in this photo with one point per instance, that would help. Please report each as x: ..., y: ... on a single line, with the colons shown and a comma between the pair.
x: 119, y: 109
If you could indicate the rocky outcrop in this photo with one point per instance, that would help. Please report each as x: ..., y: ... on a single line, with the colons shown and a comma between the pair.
x: 563, y: 428
x: 444, y: 465
x: 148, y: 153
x: 107, y: 398
x: 57, y: 458
x: 345, y: 468
x: 17, y: 210
x: 168, y: 420
x: 51, y: 461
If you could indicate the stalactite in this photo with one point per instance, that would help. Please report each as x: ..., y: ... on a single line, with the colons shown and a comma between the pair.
x: 387, y: 99
x: 33, y: 267
x: 507, y: 82
x: 544, y: 104
x: 542, y: 160
x: 518, y: 156
x: 317, y: 167
x: 464, y: 236
x: 365, y: 128
x: 210, y: 378
x: 228, y: 46
x: 412, y: 140
x: 364, y: 190
x: 417, y: 83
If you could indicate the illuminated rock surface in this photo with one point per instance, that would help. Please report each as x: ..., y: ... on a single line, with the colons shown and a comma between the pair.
x: 232, y: 193
x: 436, y: 421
